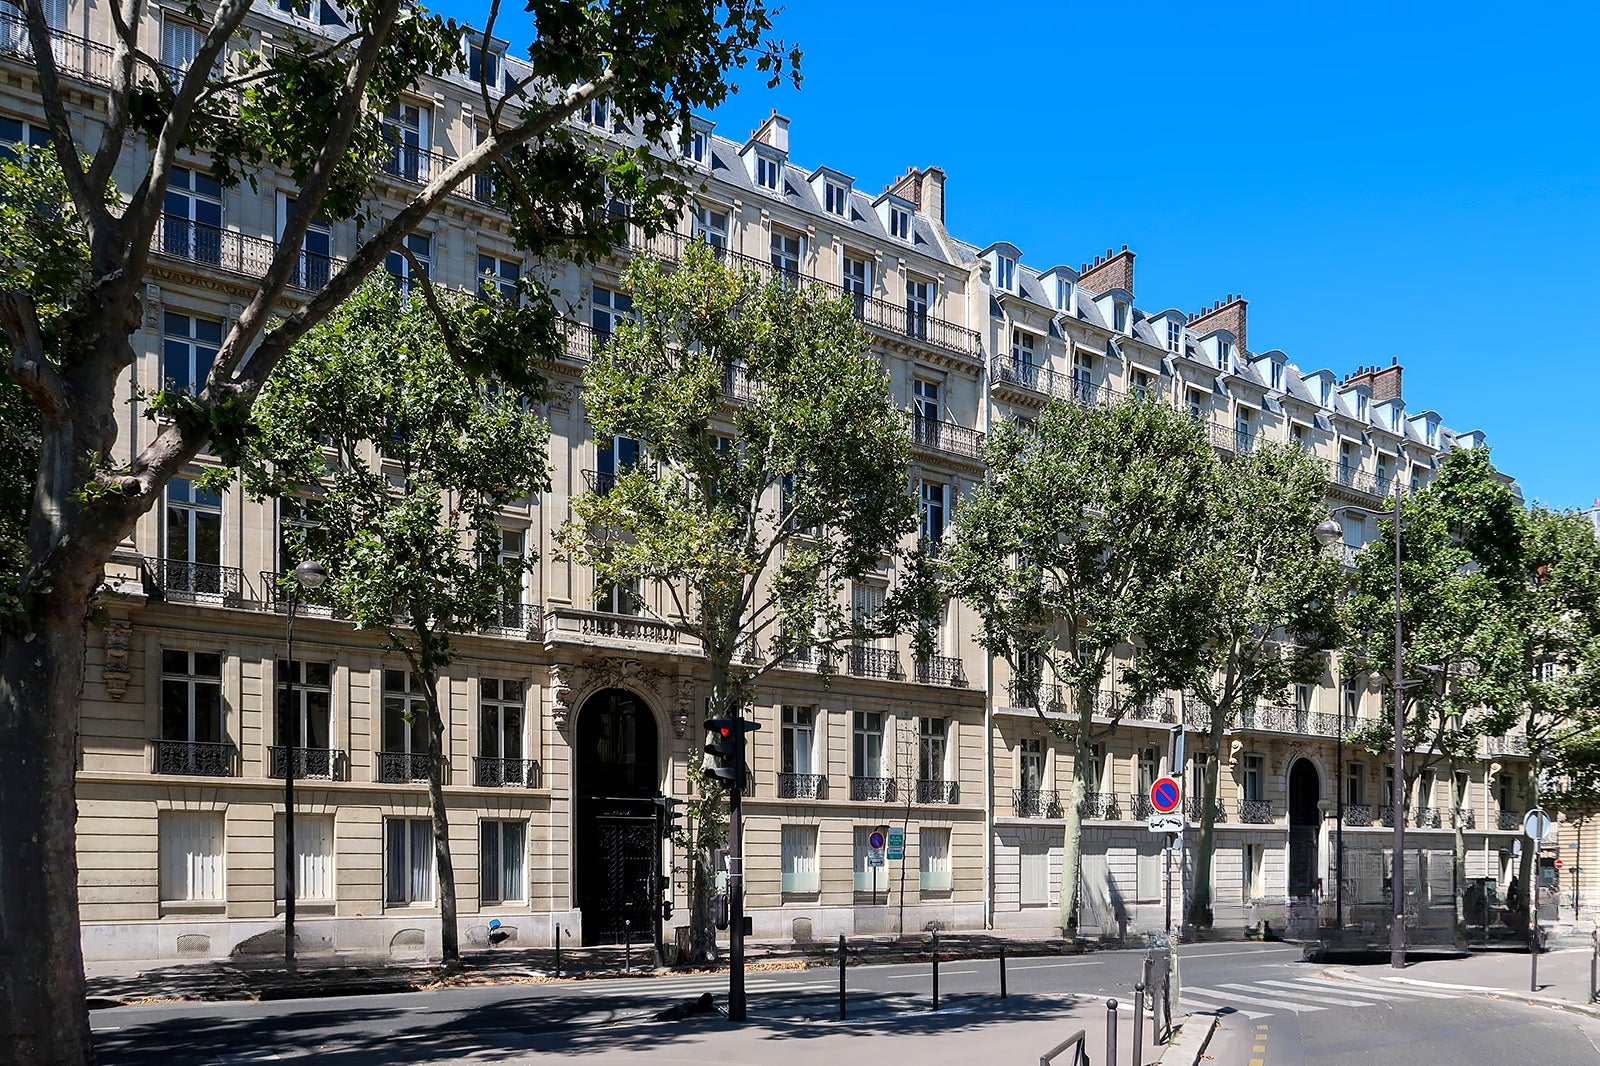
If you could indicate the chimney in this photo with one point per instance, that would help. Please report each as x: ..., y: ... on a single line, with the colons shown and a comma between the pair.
x: 1228, y: 315
x: 774, y: 132
x: 925, y: 188
x: 1115, y: 271
x: 1384, y: 382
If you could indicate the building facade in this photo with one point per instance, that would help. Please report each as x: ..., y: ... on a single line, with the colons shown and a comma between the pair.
x: 566, y: 719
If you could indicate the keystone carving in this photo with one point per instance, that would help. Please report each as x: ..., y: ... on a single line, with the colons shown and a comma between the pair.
x: 115, y: 673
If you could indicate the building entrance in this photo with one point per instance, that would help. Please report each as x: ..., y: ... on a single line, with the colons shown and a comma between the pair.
x: 1305, y: 817
x: 617, y: 844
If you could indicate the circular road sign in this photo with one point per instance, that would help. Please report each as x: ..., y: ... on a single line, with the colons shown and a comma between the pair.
x: 1558, y: 864
x: 1536, y: 824
x: 875, y: 841
x: 1164, y: 795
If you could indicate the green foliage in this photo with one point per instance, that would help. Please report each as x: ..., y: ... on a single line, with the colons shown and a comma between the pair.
x: 43, y: 251
x: 1563, y: 707
x: 19, y: 465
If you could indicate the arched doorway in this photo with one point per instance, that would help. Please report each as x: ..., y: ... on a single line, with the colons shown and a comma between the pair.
x: 616, y: 849
x: 1305, y: 818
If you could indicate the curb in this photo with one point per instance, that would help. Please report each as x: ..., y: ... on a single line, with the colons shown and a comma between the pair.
x: 1177, y: 1051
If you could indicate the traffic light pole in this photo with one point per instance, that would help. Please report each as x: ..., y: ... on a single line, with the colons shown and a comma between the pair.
x: 736, y: 1005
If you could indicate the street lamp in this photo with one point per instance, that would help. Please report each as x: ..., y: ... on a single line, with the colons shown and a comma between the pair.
x: 308, y: 575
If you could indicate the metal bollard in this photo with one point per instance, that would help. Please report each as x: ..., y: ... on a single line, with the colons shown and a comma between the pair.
x: 1002, y: 971
x: 936, y: 969
x: 1594, y: 967
x: 627, y: 945
x: 842, y: 1012
x: 558, y: 949
x: 1533, y: 955
x: 1111, y: 1032
x: 1138, y: 1025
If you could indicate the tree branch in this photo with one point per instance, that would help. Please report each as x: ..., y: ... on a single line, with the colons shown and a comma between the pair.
x: 91, y: 208
x: 29, y: 367
x: 124, y: 16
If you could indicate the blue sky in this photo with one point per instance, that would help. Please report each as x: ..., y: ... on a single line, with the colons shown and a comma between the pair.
x: 1378, y: 180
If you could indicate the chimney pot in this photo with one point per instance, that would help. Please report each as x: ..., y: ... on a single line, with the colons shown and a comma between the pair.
x: 1108, y: 253
x: 1124, y: 247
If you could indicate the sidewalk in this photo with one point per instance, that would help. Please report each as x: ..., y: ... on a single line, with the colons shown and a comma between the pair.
x: 1563, y: 976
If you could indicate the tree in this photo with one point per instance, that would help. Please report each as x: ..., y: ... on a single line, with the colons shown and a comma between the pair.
x: 1267, y: 596
x: 310, y: 111
x: 772, y: 472
x: 1461, y: 608
x: 1068, y: 551
x: 405, y: 517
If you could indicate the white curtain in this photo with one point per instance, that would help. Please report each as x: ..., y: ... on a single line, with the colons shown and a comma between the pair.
x: 800, y: 859
x: 934, y: 846
x: 1035, y: 873
x: 313, y: 848
x: 191, y: 855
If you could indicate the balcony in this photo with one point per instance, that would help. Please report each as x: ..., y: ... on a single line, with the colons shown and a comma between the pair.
x: 599, y: 482
x: 1101, y: 805
x: 569, y: 621
x: 1036, y: 803
x: 235, y: 252
x: 802, y: 786
x: 1358, y: 814
x: 517, y: 620
x: 875, y: 662
x: 402, y: 767
x: 1155, y: 709
x: 1141, y: 805
x: 75, y: 56
x: 1033, y: 696
x: 873, y: 789
x: 736, y: 384
x: 1463, y: 818
x: 937, y: 792
x: 1015, y: 375
x: 412, y: 164
x: 1510, y: 821
x: 1351, y: 479
x: 489, y: 772
x: 326, y: 764
x: 1255, y: 812
x: 1194, y: 808
x: 197, y: 758
x: 180, y: 580
x: 1427, y: 818
x: 1386, y: 815
x: 941, y: 670
x: 946, y: 437
x: 275, y: 595
x: 816, y: 660
x: 1508, y: 744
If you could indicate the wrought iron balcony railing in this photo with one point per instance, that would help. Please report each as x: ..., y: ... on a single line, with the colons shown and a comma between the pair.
x: 802, y: 786
x: 236, y: 252
x: 1508, y: 820
x: 199, y: 758
x: 1353, y: 479
x: 1463, y: 818
x: 876, y: 662
x: 1194, y: 807
x: 1043, y: 697
x: 328, y: 764
x: 1142, y: 807
x: 1255, y: 812
x: 412, y: 164
x: 937, y: 792
x: 518, y: 619
x: 941, y: 670
x: 818, y: 659
x: 599, y: 482
x: 178, y: 579
x: 879, y: 789
x: 1427, y: 818
x: 495, y: 772
x: 275, y: 595
x: 1005, y: 370
x: 399, y: 767
x: 1155, y: 709
x: 1101, y: 805
x: 1386, y: 814
x: 75, y: 56
x: 1358, y: 814
x: 1036, y: 803
x: 946, y: 437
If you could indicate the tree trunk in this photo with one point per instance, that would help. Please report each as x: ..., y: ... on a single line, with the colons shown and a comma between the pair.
x: 1072, y: 831
x: 710, y: 831
x: 41, y: 953
x: 1458, y: 858
x: 1201, y: 913
x: 1526, y: 873
x: 449, y: 943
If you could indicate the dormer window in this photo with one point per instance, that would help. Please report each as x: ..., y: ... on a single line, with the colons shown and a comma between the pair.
x: 1175, y: 336
x: 835, y: 198
x: 1225, y: 356
x: 1119, y: 316
x: 1064, y: 294
x: 1275, y: 372
x: 1326, y: 393
x: 1005, y: 273
x: 596, y: 113
x: 694, y: 146
x: 483, y: 64
x: 1430, y: 433
x: 1362, y: 412
x: 767, y: 171
x: 899, y: 222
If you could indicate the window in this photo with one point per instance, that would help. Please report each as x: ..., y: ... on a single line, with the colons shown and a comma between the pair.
x: 308, y: 719
x: 1064, y: 294
x: 500, y: 715
x: 619, y: 598
x: 931, y: 740
x: 1355, y: 782
x: 1303, y: 695
x: 1243, y: 429
x: 1005, y: 273
x: 1349, y: 461
x: 1362, y: 413
x: 15, y: 131
x: 1174, y: 336
x: 1430, y: 433
x: 1463, y: 781
x: 1119, y: 315
x: 608, y: 309
x: 405, y: 128
x: 925, y: 399
x: 1034, y: 858
x: 1140, y: 384
x: 899, y: 222
x: 1225, y: 356
x: 420, y: 245
x: 596, y: 113
x: 193, y: 535
x: 767, y: 170
x: 711, y: 226
x: 1030, y: 764
x: 191, y: 856
x: 1255, y: 778
x: 513, y: 556
x: 866, y: 749
x: 1252, y: 868
x: 614, y: 458
x: 191, y: 217
x: 799, y: 734
x: 180, y: 44
x: 919, y: 299
x: 502, y: 862
x: 405, y: 715
x: 408, y: 861
x: 1384, y: 471
x: 855, y: 274
x: 315, y: 264
x: 294, y: 523
x: 1275, y: 369
x: 188, y: 347
x: 483, y: 65
x: 1297, y: 436
x: 1197, y: 403
x: 799, y: 843
x: 868, y: 878
x: 934, y: 504
x: 933, y: 850
x: 786, y: 254
x: 835, y: 197
x: 499, y: 277
x: 694, y: 146
x: 191, y: 698
x: 1022, y: 355
x: 1082, y: 376
x: 313, y: 856
x: 1149, y: 769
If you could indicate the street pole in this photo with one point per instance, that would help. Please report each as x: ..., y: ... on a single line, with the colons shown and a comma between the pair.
x: 1338, y: 829
x: 736, y: 1003
x: 308, y: 574
x: 1397, y: 936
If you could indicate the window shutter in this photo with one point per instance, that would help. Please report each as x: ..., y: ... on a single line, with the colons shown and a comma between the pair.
x: 191, y: 855
x: 1035, y: 860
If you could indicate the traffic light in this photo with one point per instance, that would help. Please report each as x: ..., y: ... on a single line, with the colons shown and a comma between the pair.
x: 727, y: 748
x: 667, y: 816
x: 719, y: 910
x: 664, y: 886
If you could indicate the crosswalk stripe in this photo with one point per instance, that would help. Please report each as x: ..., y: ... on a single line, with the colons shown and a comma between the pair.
x: 1406, y: 990
x: 1204, y: 1004
x: 1330, y: 996
x: 1256, y: 998
x: 1334, y: 988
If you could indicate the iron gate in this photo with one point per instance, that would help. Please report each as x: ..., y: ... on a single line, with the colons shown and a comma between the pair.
x: 622, y: 903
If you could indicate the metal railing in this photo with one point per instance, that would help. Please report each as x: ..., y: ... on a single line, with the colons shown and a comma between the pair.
x: 413, y: 164
x: 275, y: 596
x: 802, y: 786
x: 1353, y: 479
x: 1036, y: 803
x: 1386, y: 815
x: 1463, y: 818
x: 1358, y: 814
x: 941, y: 670
x: 1005, y: 370
x: 397, y: 767
x: 1194, y: 807
x: 1101, y: 805
x: 178, y: 579
x: 1076, y: 1043
x: 1506, y: 744
x: 946, y: 437
x: 236, y: 252
x: 199, y: 758
x: 875, y: 662
x: 816, y: 659
x: 1142, y: 807
x: 736, y: 384
x: 566, y: 620
x: 880, y: 789
x: 1508, y: 820
x: 74, y: 55
x: 329, y: 764
x: 937, y: 792
x: 1255, y: 812
x: 599, y: 482
x: 1427, y: 818
x: 1031, y: 696
x: 495, y: 772
x: 519, y: 619
x: 1154, y: 709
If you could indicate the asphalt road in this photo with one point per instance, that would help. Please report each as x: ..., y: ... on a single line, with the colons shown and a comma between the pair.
x: 1268, y: 999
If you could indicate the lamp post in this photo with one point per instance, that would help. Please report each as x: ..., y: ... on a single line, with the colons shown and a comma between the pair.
x: 309, y: 575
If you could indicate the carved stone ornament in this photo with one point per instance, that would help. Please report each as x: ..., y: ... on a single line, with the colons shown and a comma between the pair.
x: 613, y: 671
x: 115, y: 673
x: 560, y: 694
x: 684, y: 708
